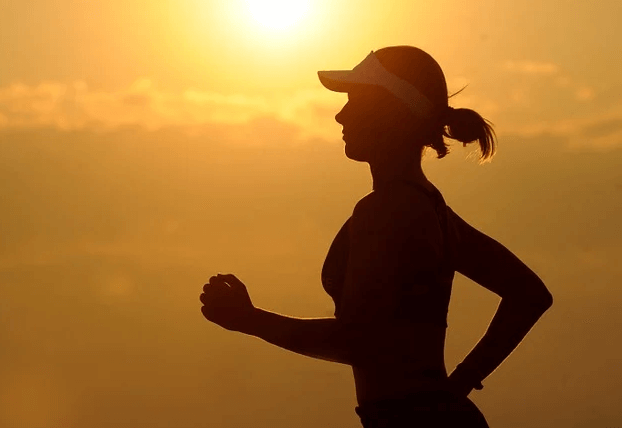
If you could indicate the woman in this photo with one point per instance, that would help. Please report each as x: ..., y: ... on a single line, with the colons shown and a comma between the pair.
x: 390, y: 268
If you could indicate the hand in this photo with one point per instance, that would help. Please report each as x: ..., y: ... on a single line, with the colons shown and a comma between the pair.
x: 227, y: 303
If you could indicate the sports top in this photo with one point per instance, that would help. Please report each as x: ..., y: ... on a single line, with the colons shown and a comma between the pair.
x: 430, y: 306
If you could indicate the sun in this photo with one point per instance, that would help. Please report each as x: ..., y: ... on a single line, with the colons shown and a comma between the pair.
x: 278, y: 14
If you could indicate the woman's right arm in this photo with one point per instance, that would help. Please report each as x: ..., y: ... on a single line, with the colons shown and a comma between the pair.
x: 524, y: 299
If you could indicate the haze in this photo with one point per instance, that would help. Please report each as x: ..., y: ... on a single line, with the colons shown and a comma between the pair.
x: 145, y: 146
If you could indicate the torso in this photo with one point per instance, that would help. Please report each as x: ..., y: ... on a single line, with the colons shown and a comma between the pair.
x: 412, y: 357
x: 412, y: 349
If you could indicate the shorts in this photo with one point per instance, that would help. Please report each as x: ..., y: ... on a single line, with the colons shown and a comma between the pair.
x: 425, y: 409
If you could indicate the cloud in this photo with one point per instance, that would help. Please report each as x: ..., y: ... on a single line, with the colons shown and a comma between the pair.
x: 530, y: 93
x: 602, y: 128
x: 143, y: 103
x: 76, y: 106
x: 599, y: 132
x: 533, y: 68
x: 529, y: 108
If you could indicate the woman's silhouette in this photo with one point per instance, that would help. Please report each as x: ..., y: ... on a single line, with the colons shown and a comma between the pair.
x: 390, y: 268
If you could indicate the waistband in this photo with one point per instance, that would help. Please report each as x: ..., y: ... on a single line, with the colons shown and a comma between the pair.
x: 420, y: 401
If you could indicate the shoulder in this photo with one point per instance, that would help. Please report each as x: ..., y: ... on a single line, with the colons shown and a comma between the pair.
x: 400, y: 205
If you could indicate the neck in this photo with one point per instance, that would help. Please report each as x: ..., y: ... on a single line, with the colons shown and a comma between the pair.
x: 386, y: 173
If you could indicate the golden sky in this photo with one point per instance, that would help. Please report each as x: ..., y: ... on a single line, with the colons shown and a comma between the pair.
x: 147, y: 145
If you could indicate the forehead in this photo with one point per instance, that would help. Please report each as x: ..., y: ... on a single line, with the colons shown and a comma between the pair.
x: 367, y: 91
x: 376, y: 98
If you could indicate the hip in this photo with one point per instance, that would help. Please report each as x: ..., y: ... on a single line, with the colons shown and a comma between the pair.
x: 421, y: 409
x: 387, y: 379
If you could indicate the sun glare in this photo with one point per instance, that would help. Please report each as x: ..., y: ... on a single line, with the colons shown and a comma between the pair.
x: 278, y: 14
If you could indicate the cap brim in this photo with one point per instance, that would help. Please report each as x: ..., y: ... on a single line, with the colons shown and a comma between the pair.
x: 338, y: 80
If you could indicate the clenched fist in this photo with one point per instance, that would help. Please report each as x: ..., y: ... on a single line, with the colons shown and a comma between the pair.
x: 227, y: 303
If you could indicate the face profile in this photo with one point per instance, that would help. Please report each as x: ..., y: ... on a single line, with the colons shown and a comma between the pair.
x: 373, y: 120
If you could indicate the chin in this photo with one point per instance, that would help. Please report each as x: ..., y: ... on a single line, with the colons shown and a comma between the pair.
x: 356, y: 155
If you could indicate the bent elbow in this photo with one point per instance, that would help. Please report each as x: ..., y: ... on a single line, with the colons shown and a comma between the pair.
x: 546, y: 301
x: 543, y: 300
x: 535, y: 296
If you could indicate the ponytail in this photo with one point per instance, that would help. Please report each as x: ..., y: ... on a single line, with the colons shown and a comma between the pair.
x: 466, y: 126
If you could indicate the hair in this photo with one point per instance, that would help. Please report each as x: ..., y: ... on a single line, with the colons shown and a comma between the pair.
x: 465, y: 125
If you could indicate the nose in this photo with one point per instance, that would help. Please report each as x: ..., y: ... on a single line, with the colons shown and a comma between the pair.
x: 339, y: 116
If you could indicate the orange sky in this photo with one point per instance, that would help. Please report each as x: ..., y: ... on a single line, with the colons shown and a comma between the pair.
x: 146, y: 145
